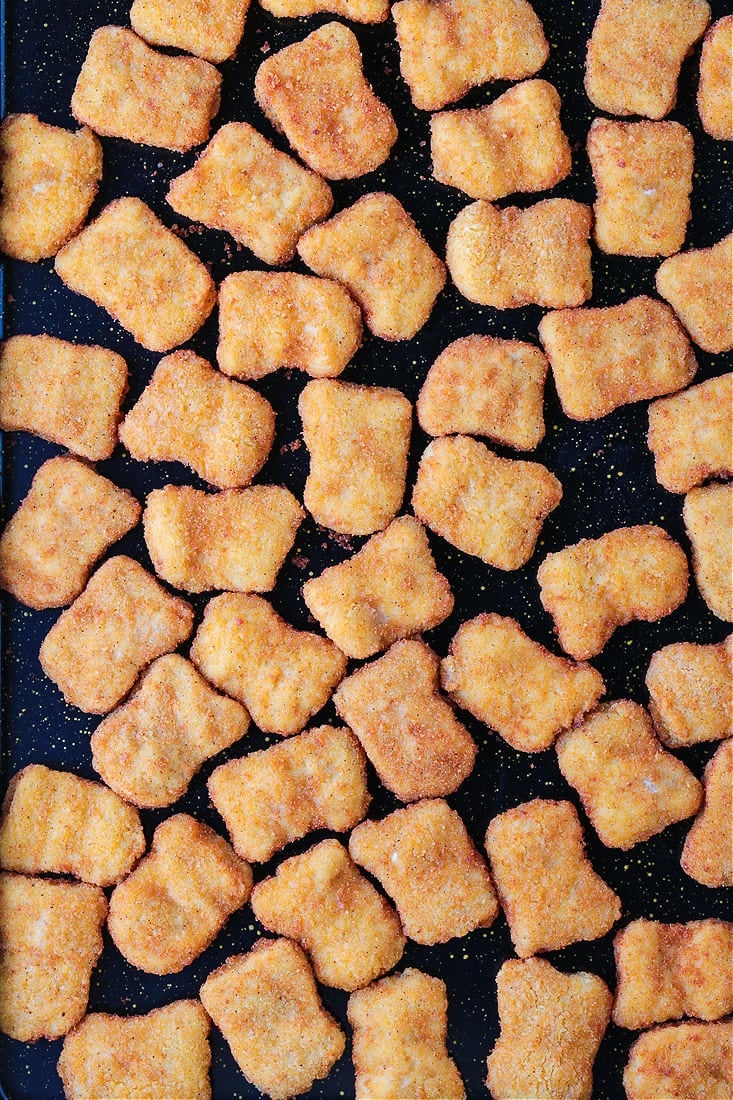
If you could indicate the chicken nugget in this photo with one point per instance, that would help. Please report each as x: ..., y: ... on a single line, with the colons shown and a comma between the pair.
x: 242, y: 184
x: 211, y: 29
x: 267, y: 1007
x: 707, y: 856
x: 122, y: 621
x: 696, y: 284
x: 321, y: 900
x: 49, y: 179
x: 150, y: 748
x: 359, y: 11
x: 691, y: 435
x: 516, y: 686
x: 178, y: 898
x: 682, y: 1062
x: 708, y: 513
x: 636, y: 51
x: 691, y: 692
x: 550, y: 894
x: 358, y: 439
x: 377, y: 251
x: 189, y: 413
x: 516, y: 257
x: 147, y: 279
x: 282, y: 675
x: 127, y: 90
x: 551, y: 1027
x: 716, y: 74
x: 51, y: 932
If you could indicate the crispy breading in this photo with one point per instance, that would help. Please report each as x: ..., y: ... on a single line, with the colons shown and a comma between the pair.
x: 178, y: 898
x: 242, y: 184
x: 707, y: 856
x: 427, y: 863
x: 691, y: 434
x: 70, y: 516
x: 549, y: 892
x: 51, y: 932
x: 377, y: 251
x: 551, y: 1027
x: 316, y: 780
x: 282, y: 675
x: 691, y: 692
x: 707, y: 513
x: 682, y: 1062
x: 127, y: 90
x: 211, y: 29
x: 66, y: 393
x: 636, y: 51
x: 358, y: 440
x: 130, y: 264
x: 122, y: 621
x: 597, y: 585
x: 269, y: 320
x: 516, y: 143
x: 49, y: 179
x: 189, y: 413
x: 515, y: 685
x: 267, y: 1007
x: 150, y: 748
x: 516, y: 257
x: 162, y: 1053
x: 716, y: 74
x: 389, y: 590
x: 697, y: 286
x: 321, y: 900
x: 358, y: 11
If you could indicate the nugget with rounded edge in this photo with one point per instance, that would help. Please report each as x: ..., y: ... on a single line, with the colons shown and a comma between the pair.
x: 375, y: 249
x: 682, y: 1062
x: 691, y: 692
x: 707, y: 513
x: 696, y: 284
x: 211, y: 29
x: 707, y: 855
x: 716, y: 74
x: 359, y: 11
x: 691, y: 435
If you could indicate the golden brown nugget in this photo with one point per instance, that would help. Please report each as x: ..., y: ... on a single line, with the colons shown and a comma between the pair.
x: 178, y: 898
x: 211, y: 29
x: 707, y: 856
x: 237, y: 539
x: 708, y: 513
x: 516, y: 143
x: 163, y: 1053
x: 716, y: 74
x: 512, y: 257
x: 189, y: 413
x: 597, y: 585
x: 122, y: 621
x: 127, y: 90
x: 631, y: 789
x: 150, y: 748
x: 636, y: 51
x: 682, y: 1062
x: 130, y: 264
x: 51, y: 933
x: 316, y: 780
x: 315, y: 92
x: 375, y: 249
x: 487, y: 506
x: 269, y: 320
x: 282, y: 675
x: 267, y: 1007
x: 389, y: 590
x: 697, y: 285
x: 643, y: 176
x: 550, y: 894
x: 691, y: 692
x: 49, y: 179
x: 691, y: 435
x: 516, y: 686
x: 70, y: 516
x: 358, y: 440
x: 245, y: 186
x: 399, y: 1045
x: 551, y: 1027
x: 359, y: 11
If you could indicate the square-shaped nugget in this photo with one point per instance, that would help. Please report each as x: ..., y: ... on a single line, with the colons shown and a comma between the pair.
x: 708, y: 513
x: 211, y: 29
x: 691, y: 692
x: 682, y: 1062
x: 716, y: 73
x: 697, y: 286
x: 691, y: 435
x: 358, y: 11
x: 707, y: 856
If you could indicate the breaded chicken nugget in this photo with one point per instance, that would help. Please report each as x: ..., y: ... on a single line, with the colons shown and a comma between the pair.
x: 691, y: 692
x: 697, y: 286
x: 358, y: 439
x: 517, y: 257
x: 323, y: 902
x: 551, y: 1027
x: 400, y: 1028
x: 242, y: 184
x: 708, y: 513
x: 636, y: 51
x: 122, y: 621
x: 129, y: 263
x: 707, y: 856
x: 691, y: 434
x: 150, y: 748
x: 178, y: 898
x: 267, y: 1007
x: 49, y: 179
x: 515, y: 685
x: 282, y: 675
x: 682, y: 1062
x: 211, y: 29
x: 716, y: 74
x: 51, y: 932
x: 377, y: 251
x: 359, y: 11
x: 549, y: 892
x: 221, y: 429
x: 127, y: 90
x: 597, y: 585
